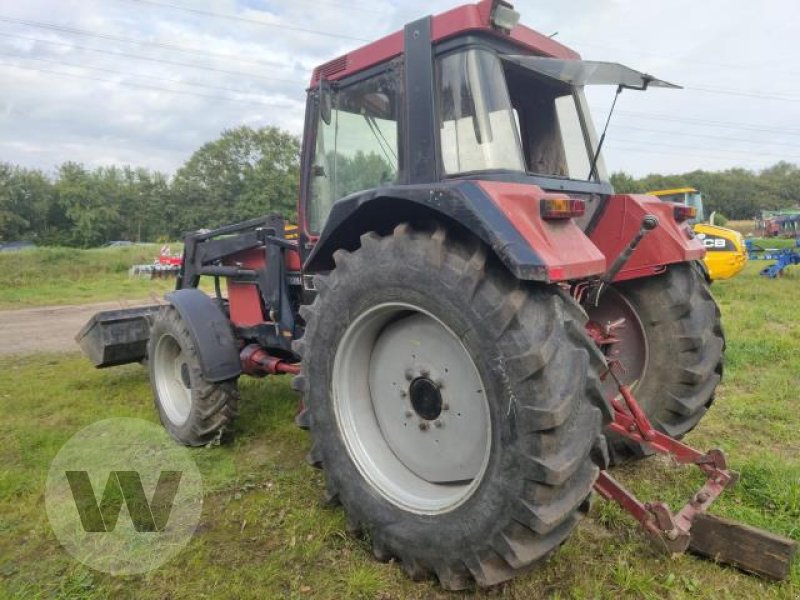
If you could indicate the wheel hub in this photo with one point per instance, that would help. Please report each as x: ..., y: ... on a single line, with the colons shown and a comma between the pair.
x: 425, y: 398
x: 631, y: 348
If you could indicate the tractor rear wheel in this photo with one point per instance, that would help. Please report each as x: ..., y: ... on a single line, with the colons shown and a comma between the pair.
x: 456, y: 411
x: 671, y: 347
x: 194, y: 411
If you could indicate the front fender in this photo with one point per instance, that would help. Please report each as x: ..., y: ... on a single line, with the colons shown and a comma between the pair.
x: 211, y: 332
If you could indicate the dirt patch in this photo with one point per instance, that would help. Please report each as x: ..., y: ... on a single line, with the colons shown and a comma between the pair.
x: 49, y: 328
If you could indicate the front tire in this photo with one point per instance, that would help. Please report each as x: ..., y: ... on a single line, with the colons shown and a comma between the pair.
x: 456, y: 411
x: 193, y: 410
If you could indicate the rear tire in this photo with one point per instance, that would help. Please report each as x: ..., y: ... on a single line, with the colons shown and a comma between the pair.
x: 194, y: 411
x: 432, y: 303
x: 684, y: 345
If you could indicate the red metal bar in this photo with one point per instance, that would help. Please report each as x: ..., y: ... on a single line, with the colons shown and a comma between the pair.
x: 672, y: 531
x: 611, y: 489
x: 258, y: 362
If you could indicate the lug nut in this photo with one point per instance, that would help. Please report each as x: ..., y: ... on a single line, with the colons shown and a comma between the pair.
x: 425, y: 372
x: 409, y: 375
x: 439, y: 384
x: 423, y: 426
x: 445, y: 406
x: 438, y: 424
x: 409, y: 414
x: 403, y: 393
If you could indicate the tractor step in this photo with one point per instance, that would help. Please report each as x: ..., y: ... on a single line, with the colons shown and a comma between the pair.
x: 117, y: 337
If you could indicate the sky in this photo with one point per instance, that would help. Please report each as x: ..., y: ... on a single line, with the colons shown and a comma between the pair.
x: 147, y: 82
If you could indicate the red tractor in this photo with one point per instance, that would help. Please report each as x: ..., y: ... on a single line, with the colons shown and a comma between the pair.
x: 467, y: 309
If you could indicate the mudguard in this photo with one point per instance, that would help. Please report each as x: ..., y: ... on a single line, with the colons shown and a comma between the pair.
x: 505, y: 216
x: 211, y: 332
x: 669, y: 243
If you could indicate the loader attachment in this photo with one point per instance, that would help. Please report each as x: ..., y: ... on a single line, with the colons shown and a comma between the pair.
x: 747, y: 548
x: 117, y: 337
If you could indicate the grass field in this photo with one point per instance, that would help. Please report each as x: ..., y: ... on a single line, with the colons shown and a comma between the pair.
x: 265, y: 533
x: 51, y: 276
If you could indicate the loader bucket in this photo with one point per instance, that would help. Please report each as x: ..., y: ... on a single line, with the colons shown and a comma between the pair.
x: 117, y: 337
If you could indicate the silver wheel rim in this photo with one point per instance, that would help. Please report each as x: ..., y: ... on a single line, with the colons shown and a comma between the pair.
x: 411, y: 408
x: 171, y: 373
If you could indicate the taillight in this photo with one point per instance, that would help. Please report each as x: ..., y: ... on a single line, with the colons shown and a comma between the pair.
x: 684, y: 213
x: 561, y: 208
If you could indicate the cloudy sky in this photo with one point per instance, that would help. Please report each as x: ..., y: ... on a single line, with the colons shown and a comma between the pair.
x: 146, y: 82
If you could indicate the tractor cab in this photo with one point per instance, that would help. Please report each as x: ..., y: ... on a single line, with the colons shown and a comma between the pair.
x: 465, y: 95
x: 686, y: 196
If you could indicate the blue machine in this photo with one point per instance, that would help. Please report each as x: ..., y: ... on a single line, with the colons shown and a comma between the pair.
x: 785, y: 258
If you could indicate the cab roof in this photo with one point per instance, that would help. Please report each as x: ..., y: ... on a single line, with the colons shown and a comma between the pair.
x: 469, y: 18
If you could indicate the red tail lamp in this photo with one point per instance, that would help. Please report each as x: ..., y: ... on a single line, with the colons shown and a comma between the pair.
x: 684, y: 213
x: 561, y: 208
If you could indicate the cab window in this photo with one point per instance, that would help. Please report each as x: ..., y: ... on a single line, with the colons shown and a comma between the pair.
x: 356, y: 144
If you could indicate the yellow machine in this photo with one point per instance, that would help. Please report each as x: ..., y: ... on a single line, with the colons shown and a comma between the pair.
x: 726, y: 254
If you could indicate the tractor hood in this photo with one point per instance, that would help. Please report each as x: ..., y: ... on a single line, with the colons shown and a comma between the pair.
x: 589, y: 72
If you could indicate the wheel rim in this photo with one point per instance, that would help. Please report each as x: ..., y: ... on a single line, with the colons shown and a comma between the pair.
x: 632, y: 348
x: 171, y: 373
x: 411, y: 408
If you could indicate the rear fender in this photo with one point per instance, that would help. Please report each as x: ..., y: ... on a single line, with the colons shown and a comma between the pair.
x: 671, y: 242
x: 505, y: 216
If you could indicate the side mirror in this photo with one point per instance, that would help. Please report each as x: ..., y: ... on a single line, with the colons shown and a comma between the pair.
x: 325, y: 102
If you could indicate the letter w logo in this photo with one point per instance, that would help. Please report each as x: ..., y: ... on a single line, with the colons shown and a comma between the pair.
x: 124, y: 486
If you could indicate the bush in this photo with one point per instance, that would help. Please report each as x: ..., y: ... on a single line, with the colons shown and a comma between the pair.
x: 720, y: 219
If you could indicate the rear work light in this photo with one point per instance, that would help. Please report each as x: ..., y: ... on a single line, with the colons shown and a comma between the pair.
x: 684, y: 213
x: 561, y: 208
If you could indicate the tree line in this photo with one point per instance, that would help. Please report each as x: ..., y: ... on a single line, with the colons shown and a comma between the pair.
x: 248, y: 172
x: 735, y: 193
x: 243, y: 174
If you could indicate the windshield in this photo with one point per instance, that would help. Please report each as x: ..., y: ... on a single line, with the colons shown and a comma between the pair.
x: 498, y: 115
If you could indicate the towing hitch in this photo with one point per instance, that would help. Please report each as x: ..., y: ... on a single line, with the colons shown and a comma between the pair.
x: 691, y: 528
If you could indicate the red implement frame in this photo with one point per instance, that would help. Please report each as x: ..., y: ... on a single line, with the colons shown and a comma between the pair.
x: 673, y: 530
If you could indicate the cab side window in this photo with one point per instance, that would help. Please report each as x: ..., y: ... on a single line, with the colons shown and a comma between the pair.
x: 356, y: 144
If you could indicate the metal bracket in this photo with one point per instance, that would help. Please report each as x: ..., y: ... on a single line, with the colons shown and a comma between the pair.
x: 672, y: 530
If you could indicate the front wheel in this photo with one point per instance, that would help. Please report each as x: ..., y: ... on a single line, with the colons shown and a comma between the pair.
x: 456, y: 411
x: 194, y: 411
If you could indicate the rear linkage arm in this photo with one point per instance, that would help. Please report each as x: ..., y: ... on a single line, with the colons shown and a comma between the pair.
x: 630, y: 421
x: 673, y: 530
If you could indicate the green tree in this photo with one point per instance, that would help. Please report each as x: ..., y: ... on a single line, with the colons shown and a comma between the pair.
x: 27, y: 206
x: 243, y: 174
x: 85, y: 198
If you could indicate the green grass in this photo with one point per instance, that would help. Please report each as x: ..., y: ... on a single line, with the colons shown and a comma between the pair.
x: 265, y: 532
x: 773, y: 243
x: 55, y: 276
